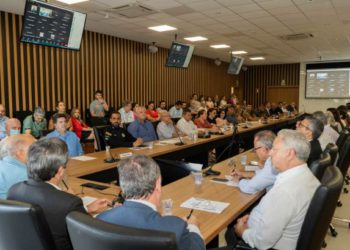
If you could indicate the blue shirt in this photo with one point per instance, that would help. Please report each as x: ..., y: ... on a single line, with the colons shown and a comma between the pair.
x: 264, y: 178
x: 3, y: 121
x: 72, y: 141
x: 143, y: 130
x: 12, y: 171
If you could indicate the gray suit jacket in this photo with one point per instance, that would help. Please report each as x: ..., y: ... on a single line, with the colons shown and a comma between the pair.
x: 137, y: 215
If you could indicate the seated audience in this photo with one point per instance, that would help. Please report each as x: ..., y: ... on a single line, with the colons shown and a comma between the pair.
x: 3, y: 120
x: 311, y: 128
x: 166, y: 128
x: 277, y: 220
x: 232, y: 100
x: 216, y: 101
x: 13, y: 167
x: 336, y: 117
x: 195, y: 105
x: 331, y: 121
x: 292, y: 108
x: 202, y: 122
x: 223, y: 102
x: 329, y: 135
x: 176, y: 110
x: 13, y: 126
x: 202, y: 102
x: 211, y: 116
x: 185, y: 124
x: 231, y: 115
x: 47, y: 160
x: 275, y: 110
x: 34, y: 124
x: 209, y: 103
x: 152, y: 114
x: 261, y: 111
x: 248, y: 113
x: 141, y: 127
x: 140, y: 182
x: 83, y: 131
x: 268, y: 108
x: 134, y: 105
x: 126, y: 113
x: 116, y: 136
x: 61, y: 109
x: 98, y: 107
x: 221, y: 120
x: 162, y: 107
x: 251, y: 182
x: 72, y: 141
x: 344, y: 117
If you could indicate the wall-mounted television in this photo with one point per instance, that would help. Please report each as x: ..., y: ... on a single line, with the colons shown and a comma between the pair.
x: 235, y: 65
x: 50, y: 25
x: 179, y: 55
x: 327, y: 80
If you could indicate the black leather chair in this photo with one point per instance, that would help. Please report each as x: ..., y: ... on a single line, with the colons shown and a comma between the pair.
x: 332, y: 150
x: 23, y: 226
x: 99, y: 137
x: 341, y: 140
x: 319, y: 166
x: 88, y: 117
x: 48, y: 115
x: 172, y: 170
x: 87, y: 233
x: 21, y: 115
x: 320, y: 211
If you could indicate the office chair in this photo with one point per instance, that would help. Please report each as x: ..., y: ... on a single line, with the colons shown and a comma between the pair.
x: 332, y: 150
x: 88, y: 233
x: 172, y: 170
x: 99, y: 137
x: 320, y: 211
x: 319, y: 166
x: 21, y: 115
x: 88, y: 117
x: 23, y: 226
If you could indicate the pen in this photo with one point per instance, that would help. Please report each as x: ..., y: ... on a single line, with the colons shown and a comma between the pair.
x: 189, y: 216
x: 64, y: 183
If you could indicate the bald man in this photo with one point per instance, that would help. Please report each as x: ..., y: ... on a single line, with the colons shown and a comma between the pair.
x: 13, y: 163
x: 13, y: 127
x: 3, y: 120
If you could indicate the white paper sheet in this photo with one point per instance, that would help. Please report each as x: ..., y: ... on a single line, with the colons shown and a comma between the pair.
x: 251, y: 168
x: 87, y: 200
x: 205, y: 205
x: 83, y: 158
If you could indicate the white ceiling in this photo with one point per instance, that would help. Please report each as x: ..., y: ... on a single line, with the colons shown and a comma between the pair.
x: 251, y: 25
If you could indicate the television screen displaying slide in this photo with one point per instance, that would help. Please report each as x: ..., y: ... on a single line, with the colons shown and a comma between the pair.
x: 50, y: 25
x: 235, y: 65
x: 327, y: 81
x: 179, y: 55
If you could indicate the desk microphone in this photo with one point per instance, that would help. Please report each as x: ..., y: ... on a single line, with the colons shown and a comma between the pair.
x: 180, y: 143
x: 210, y: 171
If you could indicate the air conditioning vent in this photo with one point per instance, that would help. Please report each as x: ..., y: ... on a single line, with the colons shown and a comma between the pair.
x: 297, y: 36
x: 132, y: 10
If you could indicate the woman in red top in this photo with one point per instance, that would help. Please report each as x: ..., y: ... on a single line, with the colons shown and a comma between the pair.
x: 79, y: 127
x: 202, y: 122
x: 151, y: 113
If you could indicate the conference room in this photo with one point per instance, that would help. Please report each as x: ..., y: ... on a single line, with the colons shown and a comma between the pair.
x: 174, y: 124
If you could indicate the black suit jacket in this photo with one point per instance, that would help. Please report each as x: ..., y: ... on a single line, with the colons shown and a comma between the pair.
x: 56, y: 205
x: 316, y: 151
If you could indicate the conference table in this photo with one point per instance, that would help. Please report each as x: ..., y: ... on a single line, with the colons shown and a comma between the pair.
x: 211, y: 224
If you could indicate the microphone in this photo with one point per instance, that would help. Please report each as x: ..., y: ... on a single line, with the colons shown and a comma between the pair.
x: 181, y: 141
x: 210, y: 170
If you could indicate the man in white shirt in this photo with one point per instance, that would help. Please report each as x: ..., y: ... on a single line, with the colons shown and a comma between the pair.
x: 251, y: 182
x: 176, y: 110
x: 166, y: 128
x: 185, y: 124
x: 329, y: 135
x: 277, y: 220
x: 126, y: 113
x: 3, y: 120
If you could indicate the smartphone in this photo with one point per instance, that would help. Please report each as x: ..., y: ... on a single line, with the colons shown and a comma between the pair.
x: 219, y: 179
x: 94, y: 186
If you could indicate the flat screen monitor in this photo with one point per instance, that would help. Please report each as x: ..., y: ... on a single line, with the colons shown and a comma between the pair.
x: 328, y: 80
x: 179, y: 55
x: 235, y: 65
x: 49, y: 25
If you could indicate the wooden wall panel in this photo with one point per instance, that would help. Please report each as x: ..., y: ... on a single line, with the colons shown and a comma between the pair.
x: 258, y: 78
x: 32, y: 75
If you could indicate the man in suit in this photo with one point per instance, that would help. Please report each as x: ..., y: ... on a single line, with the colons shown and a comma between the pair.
x: 140, y: 181
x: 47, y: 159
x: 312, y: 128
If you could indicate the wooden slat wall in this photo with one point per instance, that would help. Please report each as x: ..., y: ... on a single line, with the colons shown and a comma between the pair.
x: 32, y: 75
x: 257, y: 78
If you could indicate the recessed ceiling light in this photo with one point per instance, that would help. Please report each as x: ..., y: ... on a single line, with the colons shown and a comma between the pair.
x: 162, y: 28
x: 72, y: 1
x: 196, y: 38
x: 239, y: 52
x: 220, y: 46
x: 256, y: 58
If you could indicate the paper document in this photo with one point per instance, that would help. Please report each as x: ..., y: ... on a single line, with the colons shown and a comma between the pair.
x: 170, y: 141
x: 252, y: 168
x: 205, y: 205
x: 87, y: 200
x: 83, y: 158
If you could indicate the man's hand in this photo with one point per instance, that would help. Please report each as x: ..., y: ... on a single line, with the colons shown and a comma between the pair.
x: 97, y: 205
x: 241, y: 225
x: 138, y: 142
x: 192, y: 220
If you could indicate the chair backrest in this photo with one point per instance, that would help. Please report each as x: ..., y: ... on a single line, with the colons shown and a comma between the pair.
x: 332, y: 150
x: 21, y: 115
x: 172, y: 170
x: 99, y: 137
x: 319, y: 166
x: 23, y: 226
x: 49, y: 114
x: 88, y: 233
x: 320, y: 212
x: 98, y: 121
x: 87, y: 117
x: 344, y: 157
x: 341, y: 140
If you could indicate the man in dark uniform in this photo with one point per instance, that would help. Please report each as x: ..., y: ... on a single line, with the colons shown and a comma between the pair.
x: 116, y: 136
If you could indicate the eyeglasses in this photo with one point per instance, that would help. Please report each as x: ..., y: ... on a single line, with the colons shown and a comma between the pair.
x: 302, y: 125
x: 255, y: 149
